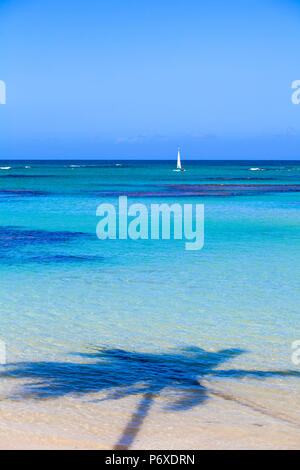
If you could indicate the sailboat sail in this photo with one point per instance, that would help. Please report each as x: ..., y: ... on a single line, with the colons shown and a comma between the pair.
x: 178, y: 160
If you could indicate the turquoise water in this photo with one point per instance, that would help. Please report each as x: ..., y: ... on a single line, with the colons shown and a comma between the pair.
x: 87, y: 309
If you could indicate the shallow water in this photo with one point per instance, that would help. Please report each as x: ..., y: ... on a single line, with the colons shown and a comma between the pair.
x: 104, y: 320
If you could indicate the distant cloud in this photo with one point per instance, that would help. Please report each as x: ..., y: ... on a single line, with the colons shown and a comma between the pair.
x: 291, y: 131
x: 142, y: 138
x: 202, y: 135
x: 131, y: 140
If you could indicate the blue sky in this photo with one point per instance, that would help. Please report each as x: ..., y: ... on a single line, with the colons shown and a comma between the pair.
x: 134, y: 79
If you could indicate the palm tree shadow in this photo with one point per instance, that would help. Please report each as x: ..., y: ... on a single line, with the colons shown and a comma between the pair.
x: 122, y: 373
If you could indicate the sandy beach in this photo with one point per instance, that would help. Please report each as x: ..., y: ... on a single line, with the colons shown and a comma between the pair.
x: 69, y: 424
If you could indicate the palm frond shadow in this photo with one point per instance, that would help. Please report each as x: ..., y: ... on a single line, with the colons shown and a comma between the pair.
x: 122, y: 373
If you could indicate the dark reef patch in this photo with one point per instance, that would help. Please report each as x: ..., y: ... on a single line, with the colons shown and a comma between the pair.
x: 205, y: 190
x: 33, y: 176
x: 21, y: 193
x: 58, y: 258
x: 11, y: 237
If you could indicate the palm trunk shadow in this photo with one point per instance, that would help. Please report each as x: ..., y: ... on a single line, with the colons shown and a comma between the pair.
x: 134, y: 425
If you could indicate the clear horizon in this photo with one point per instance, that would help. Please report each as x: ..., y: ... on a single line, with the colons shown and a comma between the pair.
x: 170, y: 160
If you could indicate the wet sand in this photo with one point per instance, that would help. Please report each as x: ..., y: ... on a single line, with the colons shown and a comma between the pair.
x: 70, y: 423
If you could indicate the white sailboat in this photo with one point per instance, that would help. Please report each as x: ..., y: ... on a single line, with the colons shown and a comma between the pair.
x: 179, y: 167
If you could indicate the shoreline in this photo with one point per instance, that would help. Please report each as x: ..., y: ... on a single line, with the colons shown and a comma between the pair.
x: 72, y: 424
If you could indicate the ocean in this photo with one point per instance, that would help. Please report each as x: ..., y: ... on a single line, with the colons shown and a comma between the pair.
x: 143, y: 332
